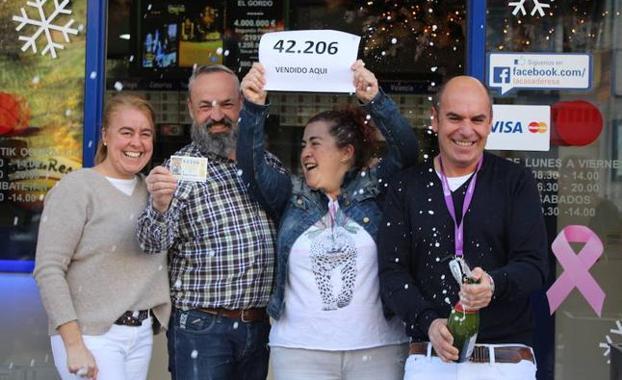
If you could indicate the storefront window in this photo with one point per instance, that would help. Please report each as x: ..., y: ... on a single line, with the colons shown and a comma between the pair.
x: 41, y: 102
x: 411, y: 47
x: 579, y: 176
x: 42, y: 78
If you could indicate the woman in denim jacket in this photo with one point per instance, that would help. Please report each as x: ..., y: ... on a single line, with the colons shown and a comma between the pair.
x: 333, y: 325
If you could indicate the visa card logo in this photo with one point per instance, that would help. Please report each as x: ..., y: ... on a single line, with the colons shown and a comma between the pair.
x: 519, y: 127
x: 510, y: 126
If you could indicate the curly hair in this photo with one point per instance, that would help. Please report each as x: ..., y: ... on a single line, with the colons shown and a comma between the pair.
x: 351, y: 126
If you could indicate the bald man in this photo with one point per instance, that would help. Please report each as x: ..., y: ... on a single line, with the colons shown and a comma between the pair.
x: 495, y: 206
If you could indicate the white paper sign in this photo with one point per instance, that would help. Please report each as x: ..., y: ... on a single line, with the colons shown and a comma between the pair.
x: 309, y: 60
x: 517, y: 127
x: 539, y: 71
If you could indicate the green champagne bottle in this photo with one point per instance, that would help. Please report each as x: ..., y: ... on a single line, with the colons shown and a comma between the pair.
x: 464, y: 326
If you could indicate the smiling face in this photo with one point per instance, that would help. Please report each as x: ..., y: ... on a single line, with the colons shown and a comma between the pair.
x: 324, y: 164
x: 129, y: 141
x: 215, y: 101
x: 463, y: 121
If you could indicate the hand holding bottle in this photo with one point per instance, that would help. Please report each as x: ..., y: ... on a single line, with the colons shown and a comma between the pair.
x: 442, y: 340
x: 478, y: 295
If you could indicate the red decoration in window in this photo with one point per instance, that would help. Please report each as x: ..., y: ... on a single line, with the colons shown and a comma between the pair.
x: 575, y: 123
x: 14, y: 114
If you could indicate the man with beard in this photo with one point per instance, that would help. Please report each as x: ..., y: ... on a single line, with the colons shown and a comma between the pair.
x: 219, y: 241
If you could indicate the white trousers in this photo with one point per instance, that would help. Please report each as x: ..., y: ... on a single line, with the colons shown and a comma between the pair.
x: 385, y: 362
x: 122, y: 353
x: 423, y: 367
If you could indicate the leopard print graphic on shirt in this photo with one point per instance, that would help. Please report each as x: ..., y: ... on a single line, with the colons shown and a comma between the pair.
x: 333, y: 259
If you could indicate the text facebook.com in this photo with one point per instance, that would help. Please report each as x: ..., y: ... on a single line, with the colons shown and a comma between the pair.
x: 502, y: 74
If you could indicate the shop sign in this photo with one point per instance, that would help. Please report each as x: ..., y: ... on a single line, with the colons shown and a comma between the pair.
x: 508, y: 71
x: 249, y: 20
x: 516, y: 127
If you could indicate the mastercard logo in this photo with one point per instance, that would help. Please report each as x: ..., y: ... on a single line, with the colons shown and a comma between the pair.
x: 537, y: 127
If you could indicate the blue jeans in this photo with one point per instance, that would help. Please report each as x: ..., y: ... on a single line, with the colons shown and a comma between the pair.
x: 209, y: 347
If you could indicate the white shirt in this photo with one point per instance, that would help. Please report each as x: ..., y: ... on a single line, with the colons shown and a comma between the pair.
x: 455, y: 182
x: 332, y: 297
x: 126, y: 186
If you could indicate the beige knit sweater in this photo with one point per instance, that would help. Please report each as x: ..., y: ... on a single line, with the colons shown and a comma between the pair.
x: 88, y: 265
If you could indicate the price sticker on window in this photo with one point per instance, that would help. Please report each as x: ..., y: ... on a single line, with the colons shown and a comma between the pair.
x: 309, y: 60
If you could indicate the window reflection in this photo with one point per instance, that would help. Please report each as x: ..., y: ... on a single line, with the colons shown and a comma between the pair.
x: 411, y: 46
x: 578, y: 178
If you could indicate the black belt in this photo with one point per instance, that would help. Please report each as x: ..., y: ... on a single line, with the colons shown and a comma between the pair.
x: 481, y: 354
x: 132, y: 318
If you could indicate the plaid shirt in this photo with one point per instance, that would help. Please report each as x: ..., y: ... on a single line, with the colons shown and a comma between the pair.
x: 220, y: 242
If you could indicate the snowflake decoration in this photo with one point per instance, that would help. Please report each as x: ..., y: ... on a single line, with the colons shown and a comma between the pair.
x: 45, y: 26
x: 605, y: 345
x: 519, y: 6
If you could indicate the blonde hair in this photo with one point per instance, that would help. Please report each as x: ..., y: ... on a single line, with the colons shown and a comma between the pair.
x: 113, y: 105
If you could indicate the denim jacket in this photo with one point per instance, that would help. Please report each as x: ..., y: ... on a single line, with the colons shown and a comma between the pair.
x: 296, y: 205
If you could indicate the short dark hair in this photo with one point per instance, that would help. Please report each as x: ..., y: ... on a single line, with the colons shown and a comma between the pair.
x: 349, y: 125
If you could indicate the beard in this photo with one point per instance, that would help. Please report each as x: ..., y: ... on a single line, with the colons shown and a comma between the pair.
x: 220, y: 144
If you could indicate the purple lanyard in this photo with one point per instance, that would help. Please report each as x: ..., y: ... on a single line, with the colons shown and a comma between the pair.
x: 449, y: 201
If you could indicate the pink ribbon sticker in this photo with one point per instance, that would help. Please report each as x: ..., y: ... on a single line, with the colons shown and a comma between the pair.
x: 576, y: 267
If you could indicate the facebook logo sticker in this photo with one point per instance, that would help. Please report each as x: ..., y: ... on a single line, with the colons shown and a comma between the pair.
x: 501, y: 75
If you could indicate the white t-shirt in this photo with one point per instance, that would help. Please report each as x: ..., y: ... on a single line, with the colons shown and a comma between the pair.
x: 455, y: 182
x: 332, y: 298
x: 126, y: 186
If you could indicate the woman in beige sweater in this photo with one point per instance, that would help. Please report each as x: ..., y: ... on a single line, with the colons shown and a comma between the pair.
x: 102, y: 294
